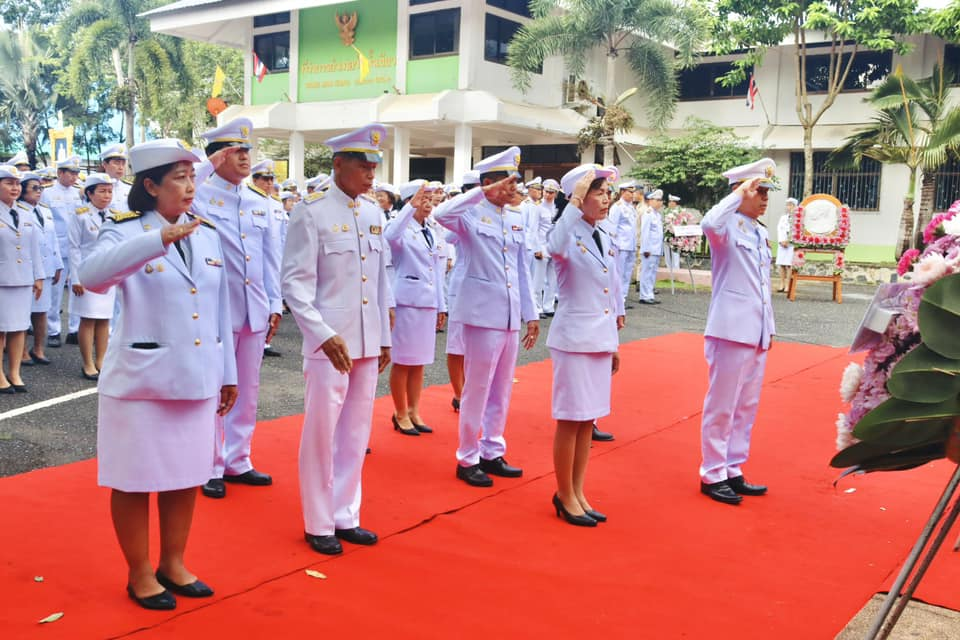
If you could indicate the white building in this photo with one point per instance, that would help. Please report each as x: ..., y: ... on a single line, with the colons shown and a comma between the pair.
x: 434, y: 72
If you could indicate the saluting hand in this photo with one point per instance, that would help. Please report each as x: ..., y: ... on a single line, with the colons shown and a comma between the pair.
x: 749, y: 188
x: 218, y: 158
x: 228, y: 397
x: 582, y: 188
x: 533, y: 332
x: 419, y: 198
x: 384, y: 359
x: 338, y: 353
x: 173, y: 232
x: 501, y: 192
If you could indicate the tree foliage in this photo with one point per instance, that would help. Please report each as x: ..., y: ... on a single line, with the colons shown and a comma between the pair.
x: 691, y: 165
x: 846, y: 27
x: 26, y: 89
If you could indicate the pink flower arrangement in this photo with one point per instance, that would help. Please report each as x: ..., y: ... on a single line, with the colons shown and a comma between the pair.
x: 941, y: 257
x: 681, y: 244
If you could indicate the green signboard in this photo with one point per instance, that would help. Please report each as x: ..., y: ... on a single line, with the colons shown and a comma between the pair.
x: 348, y: 50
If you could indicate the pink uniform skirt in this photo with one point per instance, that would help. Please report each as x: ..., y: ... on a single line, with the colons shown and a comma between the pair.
x: 15, y: 305
x: 455, y: 346
x: 97, y: 306
x: 414, y: 336
x: 155, y: 445
x: 581, y: 385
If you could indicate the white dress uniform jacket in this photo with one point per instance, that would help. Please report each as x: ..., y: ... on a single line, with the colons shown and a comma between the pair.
x: 419, y: 268
x: 49, y: 244
x: 590, y: 282
x: 622, y: 225
x: 121, y: 190
x: 334, y: 243
x: 63, y: 202
x: 166, y: 310
x: 20, y: 261
x: 651, y: 233
x: 740, y: 308
x: 84, y: 229
x: 242, y: 217
x: 495, y: 262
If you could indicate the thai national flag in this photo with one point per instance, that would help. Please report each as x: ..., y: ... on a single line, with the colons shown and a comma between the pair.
x: 259, y: 69
x: 752, y: 93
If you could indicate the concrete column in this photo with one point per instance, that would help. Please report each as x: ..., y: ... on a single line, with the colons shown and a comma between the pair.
x: 462, y: 148
x: 401, y: 155
x: 248, y: 64
x: 587, y: 155
x: 294, y: 73
x: 403, y: 44
x: 295, y: 169
x: 385, y: 168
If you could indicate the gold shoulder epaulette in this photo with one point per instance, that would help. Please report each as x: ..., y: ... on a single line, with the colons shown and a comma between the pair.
x: 275, y: 197
x: 510, y: 207
x: 40, y: 204
x: 123, y: 216
x: 313, y: 197
x: 257, y: 189
x: 82, y: 210
x: 202, y: 220
x: 23, y: 205
x: 126, y: 180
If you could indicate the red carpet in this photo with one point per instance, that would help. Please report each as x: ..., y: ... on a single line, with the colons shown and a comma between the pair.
x: 455, y: 561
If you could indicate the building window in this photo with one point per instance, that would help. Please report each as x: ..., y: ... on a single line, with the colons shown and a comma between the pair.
x: 869, y: 68
x: 273, y: 49
x: 414, y: 3
x: 951, y: 60
x: 946, y: 185
x: 859, y: 189
x: 499, y: 33
x: 271, y: 19
x: 519, y: 7
x: 429, y: 168
x: 436, y: 33
x: 700, y: 82
x: 540, y: 153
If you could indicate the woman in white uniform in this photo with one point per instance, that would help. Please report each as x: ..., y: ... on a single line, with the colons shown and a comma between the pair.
x: 21, y: 279
x: 785, y: 250
x: 583, y: 339
x: 420, y: 305
x: 42, y: 215
x: 166, y: 374
x: 94, y: 309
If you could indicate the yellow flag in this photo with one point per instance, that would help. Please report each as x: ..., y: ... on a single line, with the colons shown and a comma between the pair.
x: 364, y: 64
x: 218, y: 77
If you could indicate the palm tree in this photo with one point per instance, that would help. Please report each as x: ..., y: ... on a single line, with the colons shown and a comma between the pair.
x: 916, y: 125
x: 26, y: 92
x: 655, y: 36
x: 109, y: 39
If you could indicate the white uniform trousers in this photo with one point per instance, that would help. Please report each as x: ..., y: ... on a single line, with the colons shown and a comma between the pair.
x: 56, y: 304
x: 550, y: 286
x: 730, y: 407
x: 626, y: 262
x: 648, y: 276
x: 489, y: 361
x: 533, y: 263
x: 235, y: 430
x: 338, y: 410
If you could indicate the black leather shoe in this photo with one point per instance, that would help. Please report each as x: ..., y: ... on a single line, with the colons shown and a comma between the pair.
x: 721, y: 492
x: 90, y: 376
x: 629, y: 306
x: 474, y: 476
x: 72, y: 338
x: 596, y: 515
x: 38, y: 359
x: 499, y: 467
x: 422, y: 428
x: 53, y: 341
x: 356, y: 535
x: 455, y: 403
x: 407, y: 432
x: 327, y: 545
x: 270, y: 352
x: 161, y: 602
x: 580, y: 521
x: 26, y: 363
x: 195, y: 589
x: 642, y: 301
x: 214, y: 488
x: 19, y: 388
x: 744, y: 488
x: 601, y: 436
x: 252, y: 477
x: 9, y: 391
x: 549, y: 314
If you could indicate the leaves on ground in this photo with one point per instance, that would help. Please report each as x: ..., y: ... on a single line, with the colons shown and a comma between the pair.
x: 315, y: 574
x: 53, y: 617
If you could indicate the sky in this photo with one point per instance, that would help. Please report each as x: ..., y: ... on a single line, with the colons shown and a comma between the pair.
x: 934, y: 4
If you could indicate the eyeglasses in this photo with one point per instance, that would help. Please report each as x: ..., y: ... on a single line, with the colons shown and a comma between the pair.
x: 35, y: 187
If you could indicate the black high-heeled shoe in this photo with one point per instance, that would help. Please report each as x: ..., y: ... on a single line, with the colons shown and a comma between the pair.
x: 407, y: 432
x: 596, y: 515
x: 162, y: 601
x: 455, y: 403
x: 422, y: 428
x: 580, y: 521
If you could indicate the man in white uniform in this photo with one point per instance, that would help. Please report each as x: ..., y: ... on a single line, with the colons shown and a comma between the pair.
x: 621, y: 225
x: 545, y: 275
x: 241, y: 216
x: 498, y: 300
x: 335, y: 283
x: 262, y: 178
x: 63, y: 198
x: 651, y: 247
x: 739, y: 330
x: 530, y: 211
x: 113, y: 162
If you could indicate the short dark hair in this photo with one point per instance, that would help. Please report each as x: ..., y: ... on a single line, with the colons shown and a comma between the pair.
x: 596, y: 184
x: 23, y: 187
x: 87, y: 191
x: 139, y: 199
